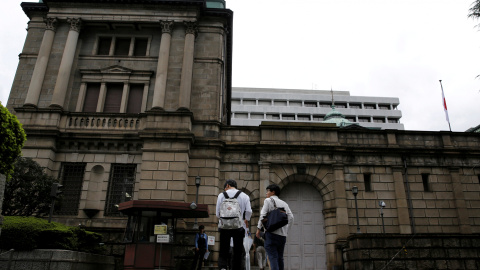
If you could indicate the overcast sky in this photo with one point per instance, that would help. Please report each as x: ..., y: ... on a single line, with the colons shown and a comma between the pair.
x: 390, y: 48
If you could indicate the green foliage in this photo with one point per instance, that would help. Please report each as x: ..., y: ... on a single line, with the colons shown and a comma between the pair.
x: 12, y: 138
x: 28, y: 191
x: 27, y: 233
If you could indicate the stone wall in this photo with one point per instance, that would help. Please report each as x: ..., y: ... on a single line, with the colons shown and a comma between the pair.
x: 421, y: 251
x: 52, y: 259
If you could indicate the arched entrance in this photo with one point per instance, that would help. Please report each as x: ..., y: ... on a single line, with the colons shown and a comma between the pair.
x: 305, y: 247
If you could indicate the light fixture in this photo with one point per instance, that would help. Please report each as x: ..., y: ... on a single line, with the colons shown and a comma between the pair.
x: 382, y: 205
x: 197, y: 183
x: 193, y: 206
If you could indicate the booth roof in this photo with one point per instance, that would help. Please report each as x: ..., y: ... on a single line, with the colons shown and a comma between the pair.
x: 177, y: 209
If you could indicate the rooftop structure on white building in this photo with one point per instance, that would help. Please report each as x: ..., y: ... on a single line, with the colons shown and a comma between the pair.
x: 251, y: 106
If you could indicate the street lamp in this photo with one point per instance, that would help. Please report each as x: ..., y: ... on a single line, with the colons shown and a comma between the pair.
x: 355, y: 192
x: 382, y: 204
x: 197, y: 183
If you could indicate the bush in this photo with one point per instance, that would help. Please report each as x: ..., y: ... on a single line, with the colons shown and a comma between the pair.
x: 12, y: 137
x: 27, y: 233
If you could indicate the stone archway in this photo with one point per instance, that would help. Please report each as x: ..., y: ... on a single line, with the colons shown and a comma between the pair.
x: 306, y: 241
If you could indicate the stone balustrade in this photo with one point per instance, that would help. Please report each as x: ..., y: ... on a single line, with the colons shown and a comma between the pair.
x: 99, y: 122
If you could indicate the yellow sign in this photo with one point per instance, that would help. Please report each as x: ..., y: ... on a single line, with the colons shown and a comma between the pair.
x: 160, y: 229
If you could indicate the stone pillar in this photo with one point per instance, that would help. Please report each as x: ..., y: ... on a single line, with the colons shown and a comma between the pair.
x: 187, y: 66
x: 162, y: 66
x: 264, y: 180
x: 460, y: 204
x: 341, y: 203
x: 33, y: 94
x: 401, y: 201
x: 60, y: 90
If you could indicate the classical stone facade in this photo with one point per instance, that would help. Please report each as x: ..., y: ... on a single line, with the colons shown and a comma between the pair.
x: 131, y: 100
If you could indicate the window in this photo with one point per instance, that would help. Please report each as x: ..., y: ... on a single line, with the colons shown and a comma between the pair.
x: 273, y: 116
x: 303, y: 117
x: 249, y: 102
x: 369, y: 106
x: 288, y: 117
x: 121, y: 90
x: 113, y: 98
x: 310, y: 104
x: 241, y: 115
x: 122, y: 46
x: 364, y: 119
x: 340, y: 105
x: 295, y: 103
x: 235, y: 102
x: 318, y: 117
x: 350, y: 118
x: 393, y: 121
x: 378, y: 120
x: 256, y: 116
x: 91, y: 97
x: 384, y: 107
x: 104, y: 45
x: 367, y: 180
x: 120, y: 187
x: 71, y: 176
x: 425, y: 182
x: 355, y: 106
x: 264, y: 102
x: 280, y: 103
x: 135, y: 96
x: 325, y: 105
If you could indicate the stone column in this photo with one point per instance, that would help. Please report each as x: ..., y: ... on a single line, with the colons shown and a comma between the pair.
x: 341, y: 203
x: 162, y: 66
x: 33, y: 94
x: 264, y: 180
x: 401, y: 201
x: 60, y: 90
x: 461, y: 205
x: 187, y: 66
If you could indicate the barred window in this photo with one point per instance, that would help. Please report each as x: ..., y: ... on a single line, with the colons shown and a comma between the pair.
x: 71, y: 175
x: 120, y: 187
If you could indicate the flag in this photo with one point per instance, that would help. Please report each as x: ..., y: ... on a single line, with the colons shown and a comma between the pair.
x: 445, y: 106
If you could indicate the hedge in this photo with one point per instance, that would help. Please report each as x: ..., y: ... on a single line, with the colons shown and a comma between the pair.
x: 27, y: 233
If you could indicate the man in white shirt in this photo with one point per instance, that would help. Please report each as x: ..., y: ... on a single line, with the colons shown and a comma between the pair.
x: 237, y: 235
x: 275, y: 241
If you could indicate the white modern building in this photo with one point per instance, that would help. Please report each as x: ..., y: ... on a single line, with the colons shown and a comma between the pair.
x: 251, y: 106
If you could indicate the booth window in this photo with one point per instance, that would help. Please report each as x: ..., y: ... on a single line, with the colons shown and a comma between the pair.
x: 71, y: 175
x: 120, y: 187
x: 141, y: 226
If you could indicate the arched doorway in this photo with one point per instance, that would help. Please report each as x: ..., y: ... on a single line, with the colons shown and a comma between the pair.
x: 305, y: 248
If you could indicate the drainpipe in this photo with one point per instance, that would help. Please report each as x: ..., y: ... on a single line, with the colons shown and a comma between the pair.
x: 409, y: 198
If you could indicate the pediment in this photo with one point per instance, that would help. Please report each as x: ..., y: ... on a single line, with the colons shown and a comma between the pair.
x: 116, y: 69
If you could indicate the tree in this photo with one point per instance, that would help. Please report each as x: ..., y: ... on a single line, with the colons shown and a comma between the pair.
x: 12, y: 138
x: 474, y: 11
x: 28, y: 191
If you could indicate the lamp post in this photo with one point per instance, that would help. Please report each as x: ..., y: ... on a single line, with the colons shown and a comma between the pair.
x: 355, y: 192
x: 382, y: 204
x: 197, y: 183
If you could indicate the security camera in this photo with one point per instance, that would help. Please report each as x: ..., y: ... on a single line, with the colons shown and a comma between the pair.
x: 381, y: 203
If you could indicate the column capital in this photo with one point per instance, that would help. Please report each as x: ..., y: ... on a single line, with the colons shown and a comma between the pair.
x: 167, y: 26
x: 75, y: 24
x: 191, y: 28
x: 51, y: 24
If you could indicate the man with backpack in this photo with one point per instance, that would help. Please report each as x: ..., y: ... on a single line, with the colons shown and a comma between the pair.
x: 233, y: 212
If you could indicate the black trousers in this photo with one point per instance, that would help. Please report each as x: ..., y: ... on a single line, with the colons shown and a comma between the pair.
x: 198, y: 259
x: 225, y: 235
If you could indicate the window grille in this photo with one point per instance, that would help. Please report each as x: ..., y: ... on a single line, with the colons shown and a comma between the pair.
x: 120, y: 187
x: 71, y: 175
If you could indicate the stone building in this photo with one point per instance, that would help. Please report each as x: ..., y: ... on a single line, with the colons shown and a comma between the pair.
x: 130, y: 100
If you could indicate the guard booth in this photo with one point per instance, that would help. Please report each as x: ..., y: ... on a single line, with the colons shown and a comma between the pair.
x: 151, y: 236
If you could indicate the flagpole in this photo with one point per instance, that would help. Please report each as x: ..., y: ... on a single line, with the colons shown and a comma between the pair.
x: 445, y: 107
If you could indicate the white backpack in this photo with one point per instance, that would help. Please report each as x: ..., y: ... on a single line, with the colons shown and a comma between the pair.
x: 230, y: 213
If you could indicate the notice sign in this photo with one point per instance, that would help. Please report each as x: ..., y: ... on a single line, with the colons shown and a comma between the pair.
x: 160, y: 229
x: 163, y: 238
x: 211, y: 240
